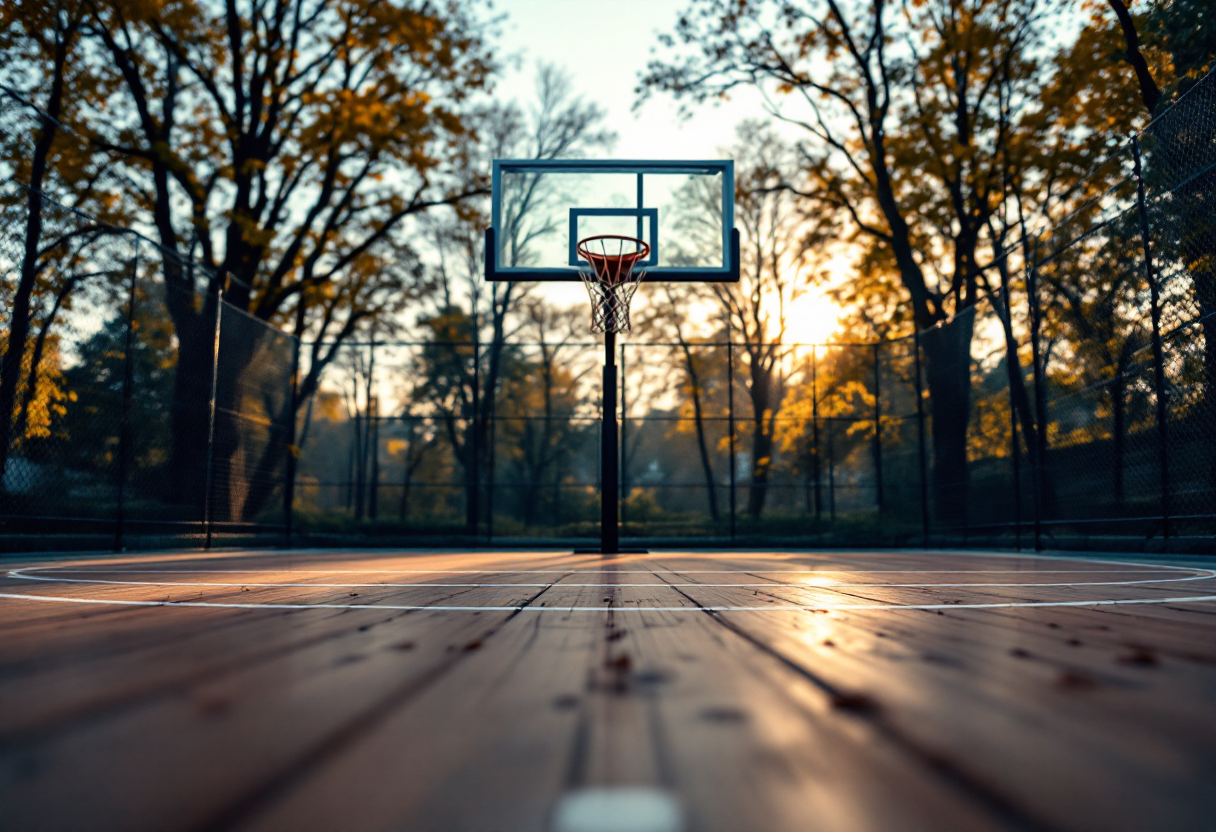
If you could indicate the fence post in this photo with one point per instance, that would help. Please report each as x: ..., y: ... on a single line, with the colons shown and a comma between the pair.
x: 373, y: 444
x: 124, y: 425
x: 920, y: 436
x: 1039, y: 457
x: 1016, y: 451
x: 477, y: 424
x: 1158, y: 356
x: 289, y: 481
x: 624, y: 469
x: 371, y: 435
x: 215, y: 372
x: 491, y: 420
x: 877, y: 432
x: 730, y: 426
x: 1012, y: 367
x: 831, y: 471
x: 815, y: 431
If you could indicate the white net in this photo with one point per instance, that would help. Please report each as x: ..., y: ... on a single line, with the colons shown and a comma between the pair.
x: 610, y: 301
x: 611, y: 279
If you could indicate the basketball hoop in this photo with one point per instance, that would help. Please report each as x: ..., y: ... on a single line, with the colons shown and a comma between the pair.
x: 612, y: 278
x: 587, y: 199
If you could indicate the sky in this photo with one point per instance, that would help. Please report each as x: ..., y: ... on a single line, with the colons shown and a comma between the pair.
x: 575, y: 35
x: 571, y: 34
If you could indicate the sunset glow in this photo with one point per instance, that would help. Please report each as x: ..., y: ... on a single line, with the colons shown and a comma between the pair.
x: 812, y: 319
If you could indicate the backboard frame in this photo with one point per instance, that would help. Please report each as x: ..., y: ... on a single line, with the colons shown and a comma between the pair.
x: 727, y: 273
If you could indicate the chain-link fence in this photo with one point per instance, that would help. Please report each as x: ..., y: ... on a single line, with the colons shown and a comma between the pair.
x: 1069, y: 406
x: 115, y: 439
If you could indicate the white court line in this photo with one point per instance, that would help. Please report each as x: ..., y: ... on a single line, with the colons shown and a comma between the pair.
x: 767, y: 608
x: 22, y: 574
x: 1143, y: 568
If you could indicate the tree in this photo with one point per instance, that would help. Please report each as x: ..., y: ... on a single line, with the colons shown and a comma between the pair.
x: 700, y: 370
x: 96, y: 384
x: 284, y: 145
x: 912, y: 118
x: 41, y: 77
x: 540, y: 398
x: 558, y: 124
x: 1185, y: 31
x: 754, y: 311
x: 1170, y: 48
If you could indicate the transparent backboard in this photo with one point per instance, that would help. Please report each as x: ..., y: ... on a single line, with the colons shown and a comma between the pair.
x: 542, y: 208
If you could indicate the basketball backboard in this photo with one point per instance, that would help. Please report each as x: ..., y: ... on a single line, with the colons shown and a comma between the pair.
x: 684, y: 211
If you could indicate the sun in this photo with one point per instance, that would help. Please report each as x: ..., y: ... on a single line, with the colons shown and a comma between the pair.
x: 812, y: 319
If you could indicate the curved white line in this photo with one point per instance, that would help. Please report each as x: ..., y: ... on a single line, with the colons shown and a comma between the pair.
x: 1143, y: 568
x: 1201, y: 575
x: 768, y: 608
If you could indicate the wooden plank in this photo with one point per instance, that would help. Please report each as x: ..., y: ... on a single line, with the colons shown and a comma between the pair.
x: 182, y: 718
x: 1068, y: 753
x: 489, y: 747
x: 754, y: 746
x: 182, y: 760
x: 650, y: 702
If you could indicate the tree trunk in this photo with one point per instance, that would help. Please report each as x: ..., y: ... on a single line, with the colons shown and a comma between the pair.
x: 231, y: 482
x: 19, y: 328
x: 762, y: 455
x: 404, y: 509
x: 19, y: 314
x: 765, y: 399
x: 947, y: 352
x: 1021, y: 400
x: 268, y: 473
x: 707, y: 467
x: 189, y: 421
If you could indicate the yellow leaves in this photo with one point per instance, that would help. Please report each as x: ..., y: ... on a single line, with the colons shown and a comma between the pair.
x: 50, y: 399
x: 989, y: 434
x: 251, y: 230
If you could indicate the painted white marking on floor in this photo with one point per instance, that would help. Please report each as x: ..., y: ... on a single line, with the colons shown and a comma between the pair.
x: 1140, y: 568
x: 617, y: 810
x: 1194, y: 573
x: 601, y: 608
x: 24, y: 574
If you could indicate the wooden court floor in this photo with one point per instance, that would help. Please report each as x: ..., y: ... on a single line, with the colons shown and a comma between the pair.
x: 509, y: 691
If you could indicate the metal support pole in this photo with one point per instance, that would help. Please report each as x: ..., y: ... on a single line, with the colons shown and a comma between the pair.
x: 289, y: 481
x: 877, y: 432
x: 215, y: 374
x: 492, y: 427
x: 476, y: 424
x: 920, y: 436
x: 624, y: 468
x: 730, y: 427
x: 609, y: 479
x: 1158, y: 353
x: 124, y: 429
x: 815, y: 432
